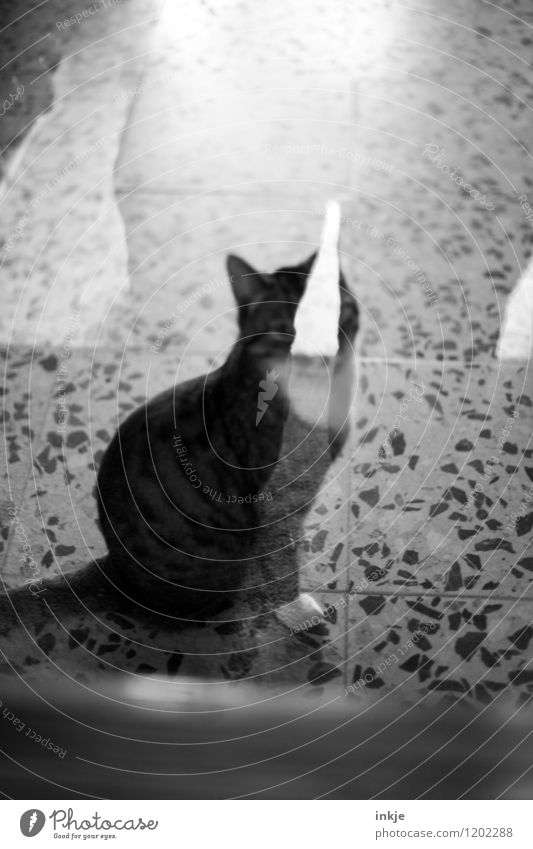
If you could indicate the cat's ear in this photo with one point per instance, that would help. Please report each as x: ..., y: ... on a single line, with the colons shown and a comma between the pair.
x: 246, y: 282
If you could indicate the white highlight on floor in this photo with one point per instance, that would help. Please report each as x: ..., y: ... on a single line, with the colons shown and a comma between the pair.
x: 516, y: 339
x: 317, y: 317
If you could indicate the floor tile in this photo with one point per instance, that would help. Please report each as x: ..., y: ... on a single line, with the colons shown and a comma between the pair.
x: 413, y: 649
x: 392, y: 39
x: 242, y: 45
x: 273, y: 112
x: 442, y: 473
x: 481, y: 128
x: 506, y: 30
x: 441, y: 190
x: 266, y: 131
x: 432, y: 278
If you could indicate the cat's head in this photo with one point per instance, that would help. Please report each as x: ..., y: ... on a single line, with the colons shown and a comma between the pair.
x: 267, y: 303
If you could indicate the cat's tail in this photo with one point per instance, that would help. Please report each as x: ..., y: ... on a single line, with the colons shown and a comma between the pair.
x: 62, y: 597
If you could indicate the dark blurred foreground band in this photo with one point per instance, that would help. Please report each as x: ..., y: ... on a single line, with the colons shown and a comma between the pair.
x: 154, y: 739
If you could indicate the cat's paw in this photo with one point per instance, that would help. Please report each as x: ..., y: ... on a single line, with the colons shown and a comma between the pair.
x: 301, y: 614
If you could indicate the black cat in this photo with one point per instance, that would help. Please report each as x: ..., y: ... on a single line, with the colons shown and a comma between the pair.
x: 181, y: 484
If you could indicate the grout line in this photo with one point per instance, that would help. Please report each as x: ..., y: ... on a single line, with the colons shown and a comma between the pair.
x: 420, y: 362
x: 295, y: 191
x: 347, y: 557
x: 490, y: 596
x: 458, y: 596
x: 345, y: 641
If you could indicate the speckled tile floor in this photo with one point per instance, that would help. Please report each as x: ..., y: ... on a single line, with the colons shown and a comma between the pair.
x: 417, y: 539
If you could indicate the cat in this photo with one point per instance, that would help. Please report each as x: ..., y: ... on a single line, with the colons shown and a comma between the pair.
x: 179, y: 488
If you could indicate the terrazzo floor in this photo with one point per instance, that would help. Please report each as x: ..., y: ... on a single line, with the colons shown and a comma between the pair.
x: 225, y: 129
